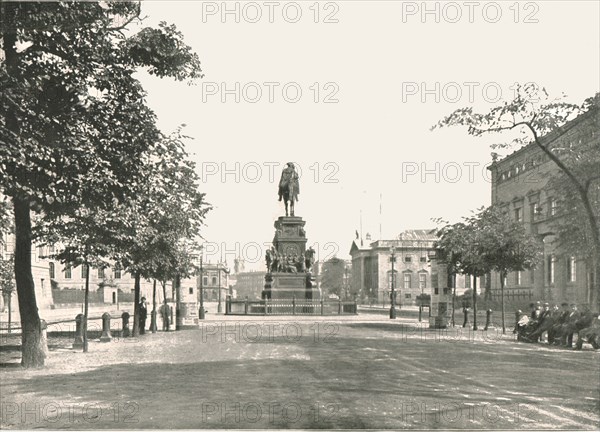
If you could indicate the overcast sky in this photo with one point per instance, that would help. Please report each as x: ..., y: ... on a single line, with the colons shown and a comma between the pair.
x: 371, y: 144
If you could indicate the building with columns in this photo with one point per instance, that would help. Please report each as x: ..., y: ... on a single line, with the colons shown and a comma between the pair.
x: 520, y: 185
x: 372, y: 267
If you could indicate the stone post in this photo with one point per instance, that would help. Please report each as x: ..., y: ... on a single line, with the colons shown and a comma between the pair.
x: 125, y: 327
x: 106, y: 336
x: 78, y: 342
x: 153, y: 326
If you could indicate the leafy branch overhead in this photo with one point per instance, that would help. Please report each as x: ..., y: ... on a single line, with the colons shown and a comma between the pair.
x: 77, y: 136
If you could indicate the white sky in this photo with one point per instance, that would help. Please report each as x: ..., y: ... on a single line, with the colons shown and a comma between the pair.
x: 371, y: 137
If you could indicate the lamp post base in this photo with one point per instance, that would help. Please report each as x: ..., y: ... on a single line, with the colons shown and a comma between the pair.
x: 392, y: 313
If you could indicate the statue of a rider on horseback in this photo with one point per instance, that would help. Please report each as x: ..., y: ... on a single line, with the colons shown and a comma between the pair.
x: 289, y: 188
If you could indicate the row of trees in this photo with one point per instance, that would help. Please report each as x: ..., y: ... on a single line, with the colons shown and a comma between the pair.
x: 487, y: 241
x: 82, y: 159
x: 490, y: 241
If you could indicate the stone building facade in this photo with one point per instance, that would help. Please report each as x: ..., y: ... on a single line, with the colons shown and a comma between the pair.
x: 372, y: 267
x: 520, y: 184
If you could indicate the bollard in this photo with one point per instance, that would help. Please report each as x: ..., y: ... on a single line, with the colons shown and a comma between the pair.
x: 466, y: 314
x: 78, y: 342
x: 153, y: 326
x: 106, y: 336
x: 488, y: 318
x: 125, y: 326
x: 44, y: 327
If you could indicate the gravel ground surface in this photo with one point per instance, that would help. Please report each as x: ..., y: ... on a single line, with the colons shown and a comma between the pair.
x: 360, y: 371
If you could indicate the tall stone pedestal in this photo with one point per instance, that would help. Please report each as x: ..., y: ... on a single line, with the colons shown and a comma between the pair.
x: 289, y: 273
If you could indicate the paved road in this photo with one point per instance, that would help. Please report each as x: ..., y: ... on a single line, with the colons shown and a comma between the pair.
x: 307, y: 374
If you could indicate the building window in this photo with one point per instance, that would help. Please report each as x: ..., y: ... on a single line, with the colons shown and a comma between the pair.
x: 205, y: 281
x: 84, y: 269
x: 117, y: 273
x: 214, y: 281
x: 518, y: 278
x: 532, y: 276
x: 100, y: 273
x: 519, y: 214
x: 553, y: 207
x: 407, y: 280
x: 407, y: 259
x: 395, y: 277
x: 67, y: 272
x: 191, y: 290
x: 407, y: 295
x: 467, y: 281
x: 40, y: 252
x: 505, y: 281
x: 572, y: 269
x: 551, y: 262
x: 51, y: 270
x: 423, y: 259
x: 422, y: 281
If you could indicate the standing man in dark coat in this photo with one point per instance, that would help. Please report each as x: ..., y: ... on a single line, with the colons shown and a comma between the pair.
x: 143, y: 315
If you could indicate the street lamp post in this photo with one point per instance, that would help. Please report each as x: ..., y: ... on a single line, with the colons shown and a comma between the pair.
x: 393, y: 283
x: 201, y: 310
x: 219, y: 309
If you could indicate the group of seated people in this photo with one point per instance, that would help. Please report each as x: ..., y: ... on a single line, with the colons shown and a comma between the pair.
x: 560, y: 324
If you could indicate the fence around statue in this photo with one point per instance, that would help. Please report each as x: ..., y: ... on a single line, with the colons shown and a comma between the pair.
x: 290, y: 307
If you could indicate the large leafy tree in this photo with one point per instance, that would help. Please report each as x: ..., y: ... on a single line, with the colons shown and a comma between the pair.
x: 332, y: 276
x: 162, y: 222
x: 505, y: 245
x: 74, y: 123
x: 535, y: 116
x: 461, y: 246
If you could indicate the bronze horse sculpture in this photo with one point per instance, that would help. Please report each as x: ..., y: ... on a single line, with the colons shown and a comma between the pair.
x: 289, y: 188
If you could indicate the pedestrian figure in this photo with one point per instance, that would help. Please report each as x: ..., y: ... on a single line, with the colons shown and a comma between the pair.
x: 466, y: 314
x: 143, y: 315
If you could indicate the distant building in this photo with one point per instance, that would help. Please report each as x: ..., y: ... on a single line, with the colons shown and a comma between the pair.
x: 214, y: 281
x: 39, y: 270
x: 520, y: 184
x: 372, y: 267
x: 250, y: 284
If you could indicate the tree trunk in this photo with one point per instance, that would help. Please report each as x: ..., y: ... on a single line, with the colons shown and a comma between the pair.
x: 86, y: 302
x: 474, y: 302
x: 136, y: 306
x: 502, y: 276
x: 178, y: 317
x: 488, y: 287
x: 166, y: 313
x: 9, y: 310
x: 153, y: 314
x: 453, y: 297
x: 33, y: 352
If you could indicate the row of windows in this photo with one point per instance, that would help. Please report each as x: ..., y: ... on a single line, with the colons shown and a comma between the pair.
x: 536, y: 161
x: 101, y: 273
x: 407, y: 280
x: 409, y: 258
x: 571, y: 265
x: 536, y: 210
